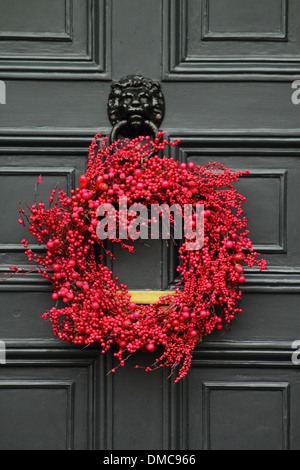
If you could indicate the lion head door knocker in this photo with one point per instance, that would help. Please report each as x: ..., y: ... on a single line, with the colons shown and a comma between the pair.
x: 135, y: 107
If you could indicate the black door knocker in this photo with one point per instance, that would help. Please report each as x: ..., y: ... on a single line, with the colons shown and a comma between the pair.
x: 135, y: 107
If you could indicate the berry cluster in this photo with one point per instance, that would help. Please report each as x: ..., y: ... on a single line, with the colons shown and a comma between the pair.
x: 92, y: 306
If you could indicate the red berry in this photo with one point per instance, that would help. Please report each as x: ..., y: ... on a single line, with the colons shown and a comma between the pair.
x: 99, y: 180
x: 50, y: 245
x: 239, y: 268
x: 137, y: 172
x: 103, y: 187
x: 83, y: 181
x: 204, y: 313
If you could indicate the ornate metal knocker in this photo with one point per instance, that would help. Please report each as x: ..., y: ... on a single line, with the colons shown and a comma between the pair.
x: 135, y: 107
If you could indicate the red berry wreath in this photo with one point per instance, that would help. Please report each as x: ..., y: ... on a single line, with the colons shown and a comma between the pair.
x: 96, y: 307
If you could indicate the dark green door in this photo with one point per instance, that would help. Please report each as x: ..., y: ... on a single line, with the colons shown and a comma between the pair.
x: 226, y: 69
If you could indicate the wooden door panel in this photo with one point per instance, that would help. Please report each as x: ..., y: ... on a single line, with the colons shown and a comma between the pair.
x: 47, y: 404
x: 245, y: 408
x: 230, y: 39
